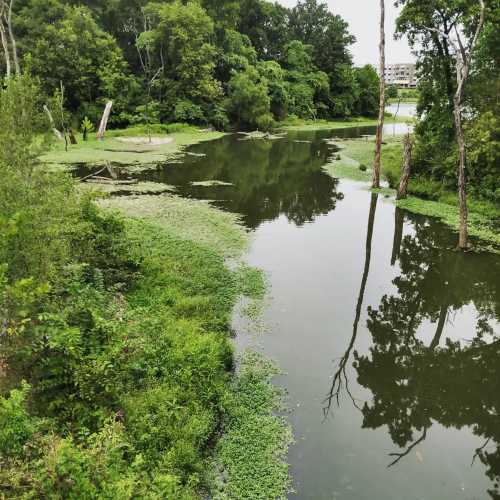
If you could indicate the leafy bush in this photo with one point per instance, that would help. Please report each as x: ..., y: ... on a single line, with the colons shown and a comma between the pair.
x: 186, y: 111
x: 16, y: 425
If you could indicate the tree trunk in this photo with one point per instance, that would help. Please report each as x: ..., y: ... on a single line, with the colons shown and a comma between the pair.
x: 399, y: 219
x: 13, y: 40
x: 5, y: 47
x: 58, y: 134
x: 440, y: 327
x: 72, y: 137
x: 405, y: 169
x: 462, y: 194
x: 104, y: 120
x: 381, y: 113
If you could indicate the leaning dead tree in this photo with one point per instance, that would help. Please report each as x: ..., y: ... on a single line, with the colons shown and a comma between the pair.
x: 8, y: 39
x: 104, y: 120
x: 463, y: 52
x: 56, y: 132
x: 381, y: 111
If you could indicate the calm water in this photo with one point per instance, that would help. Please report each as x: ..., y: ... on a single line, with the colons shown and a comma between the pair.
x: 390, y: 339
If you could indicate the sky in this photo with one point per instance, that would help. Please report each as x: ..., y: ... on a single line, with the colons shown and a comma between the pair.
x: 363, y: 18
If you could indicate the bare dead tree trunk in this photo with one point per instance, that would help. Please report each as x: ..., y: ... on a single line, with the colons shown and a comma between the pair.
x: 443, y: 313
x: 405, y: 168
x: 463, y: 62
x: 381, y: 112
x: 13, y: 39
x: 463, y: 234
x: 104, y: 120
x: 399, y: 219
x: 52, y: 124
x: 5, y: 45
x: 463, y: 55
x: 72, y: 137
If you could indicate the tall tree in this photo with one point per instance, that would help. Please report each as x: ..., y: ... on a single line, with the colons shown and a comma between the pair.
x: 463, y: 55
x: 448, y: 32
x: 9, y: 44
x: 381, y: 112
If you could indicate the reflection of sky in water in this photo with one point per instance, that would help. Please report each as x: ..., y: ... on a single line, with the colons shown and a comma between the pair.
x: 414, y: 294
x: 315, y: 273
x: 405, y: 109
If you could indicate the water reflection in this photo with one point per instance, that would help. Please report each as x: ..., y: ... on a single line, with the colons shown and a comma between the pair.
x: 416, y: 382
x: 340, y: 379
x: 268, y: 178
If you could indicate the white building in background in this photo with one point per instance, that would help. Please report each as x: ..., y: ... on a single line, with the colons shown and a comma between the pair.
x: 401, y: 75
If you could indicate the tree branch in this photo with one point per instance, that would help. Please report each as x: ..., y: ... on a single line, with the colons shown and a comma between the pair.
x: 408, y: 450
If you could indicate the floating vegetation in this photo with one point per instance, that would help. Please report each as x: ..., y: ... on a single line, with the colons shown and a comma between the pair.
x: 251, y: 455
x: 138, y: 157
x: 211, y: 183
x: 190, y: 219
x: 258, y: 135
x: 127, y: 188
x: 199, y: 155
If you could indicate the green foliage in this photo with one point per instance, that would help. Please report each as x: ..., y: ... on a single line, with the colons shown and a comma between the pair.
x: 86, y: 127
x: 367, y: 102
x: 65, y: 43
x: 16, y: 425
x: 248, y: 101
x: 436, y: 155
x: 186, y: 111
x: 391, y: 92
x: 121, y: 329
x: 182, y: 35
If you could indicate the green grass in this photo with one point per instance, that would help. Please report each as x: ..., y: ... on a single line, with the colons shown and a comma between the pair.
x: 131, y: 156
x: 300, y: 124
x: 184, y: 254
x: 480, y: 223
x: 356, y: 152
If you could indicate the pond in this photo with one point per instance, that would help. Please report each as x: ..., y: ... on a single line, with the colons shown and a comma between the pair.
x: 389, y: 338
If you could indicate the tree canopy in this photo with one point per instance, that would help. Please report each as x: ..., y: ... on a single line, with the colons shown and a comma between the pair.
x: 203, y: 56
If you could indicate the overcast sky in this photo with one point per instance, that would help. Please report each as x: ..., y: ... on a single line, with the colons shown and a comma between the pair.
x: 362, y: 16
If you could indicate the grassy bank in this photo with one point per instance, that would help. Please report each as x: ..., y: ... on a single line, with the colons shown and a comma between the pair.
x: 119, y: 148
x: 300, y: 124
x: 354, y: 161
x: 250, y: 459
x: 147, y: 388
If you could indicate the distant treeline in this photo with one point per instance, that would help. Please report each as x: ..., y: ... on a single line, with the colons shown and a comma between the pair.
x: 244, y: 63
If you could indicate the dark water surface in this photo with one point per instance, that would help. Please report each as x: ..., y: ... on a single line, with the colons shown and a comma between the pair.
x: 389, y: 337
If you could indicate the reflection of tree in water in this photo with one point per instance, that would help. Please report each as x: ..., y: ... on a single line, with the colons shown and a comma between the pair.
x: 340, y: 380
x: 415, y: 382
x: 269, y: 177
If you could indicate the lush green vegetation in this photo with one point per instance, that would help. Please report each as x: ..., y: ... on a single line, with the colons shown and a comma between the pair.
x: 116, y: 358
x: 436, y: 153
x: 428, y: 197
x: 244, y: 63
